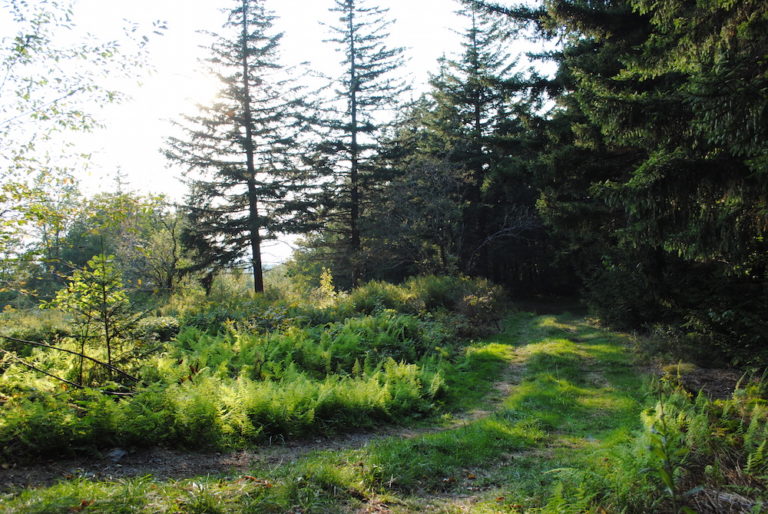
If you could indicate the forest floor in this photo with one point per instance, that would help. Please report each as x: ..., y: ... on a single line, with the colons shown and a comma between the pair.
x: 165, y: 464
x: 558, y: 391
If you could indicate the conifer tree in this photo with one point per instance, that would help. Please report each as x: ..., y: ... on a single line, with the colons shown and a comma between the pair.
x: 470, y: 105
x: 365, y: 92
x: 241, y: 146
x: 99, y: 304
x: 474, y: 124
x: 458, y: 197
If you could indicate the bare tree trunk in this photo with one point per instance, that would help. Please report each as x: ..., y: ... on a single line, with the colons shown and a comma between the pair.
x: 253, y: 205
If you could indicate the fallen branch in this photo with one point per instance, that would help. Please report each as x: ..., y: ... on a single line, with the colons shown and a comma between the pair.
x: 522, y: 223
x: 78, y: 386
x: 78, y: 354
x: 30, y: 366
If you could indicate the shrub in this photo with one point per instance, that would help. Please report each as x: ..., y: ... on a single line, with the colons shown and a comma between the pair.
x: 483, y: 311
x: 146, y: 418
x: 58, y: 424
x: 319, y: 351
x: 257, y: 313
x: 156, y: 328
x: 250, y: 368
x: 434, y: 293
x: 377, y: 296
x: 197, y: 419
x: 479, y: 301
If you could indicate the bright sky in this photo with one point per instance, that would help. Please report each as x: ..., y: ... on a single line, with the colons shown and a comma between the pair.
x: 135, y: 130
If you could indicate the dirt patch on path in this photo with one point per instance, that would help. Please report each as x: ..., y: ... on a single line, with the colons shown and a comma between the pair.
x: 160, y: 463
x: 166, y: 464
x: 715, y: 383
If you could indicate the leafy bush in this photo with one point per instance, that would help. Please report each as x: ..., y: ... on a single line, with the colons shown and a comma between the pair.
x: 435, y: 293
x: 248, y: 368
x: 475, y: 304
x: 737, y: 332
x: 319, y: 351
x: 240, y: 386
x: 58, y: 424
x: 471, y: 307
x: 376, y: 296
x: 207, y: 411
x: 257, y: 313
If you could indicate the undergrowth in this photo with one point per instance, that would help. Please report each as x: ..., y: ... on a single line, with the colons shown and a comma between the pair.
x: 579, y: 431
x: 252, y: 369
x: 692, y: 454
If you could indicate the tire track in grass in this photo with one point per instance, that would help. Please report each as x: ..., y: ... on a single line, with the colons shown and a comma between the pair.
x: 564, y: 390
x: 581, y: 387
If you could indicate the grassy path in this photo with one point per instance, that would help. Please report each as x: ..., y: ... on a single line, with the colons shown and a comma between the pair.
x: 548, y: 393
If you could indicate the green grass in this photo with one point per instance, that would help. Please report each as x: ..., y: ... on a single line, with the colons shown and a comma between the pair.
x: 578, y: 395
x: 468, y: 383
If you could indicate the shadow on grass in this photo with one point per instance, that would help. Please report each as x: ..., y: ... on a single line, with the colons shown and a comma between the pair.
x: 435, y: 462
x: 579, y: 379
x: 583, y: 392
x: 578, y: 391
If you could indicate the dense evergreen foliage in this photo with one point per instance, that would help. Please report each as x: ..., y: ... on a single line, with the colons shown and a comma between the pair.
x: 464, y: 147
x: 350, y: 124
x: 632, y: 177
x: 646, y: 176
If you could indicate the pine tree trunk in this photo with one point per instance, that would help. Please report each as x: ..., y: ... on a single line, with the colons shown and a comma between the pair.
x: 253, y: 205
x: 106, y: 321
x: 253, y: 210
x: 354, y: 211
x: 473, y: 215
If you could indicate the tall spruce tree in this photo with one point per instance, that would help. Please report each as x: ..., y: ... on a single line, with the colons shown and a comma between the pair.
x: 474, y: 124
x: 367, y: 90
x: 470, y: 105
x: 241, y: 146
x: 416, y: 214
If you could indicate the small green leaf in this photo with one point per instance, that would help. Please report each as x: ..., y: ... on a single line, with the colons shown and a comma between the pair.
x: 666, y: 477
